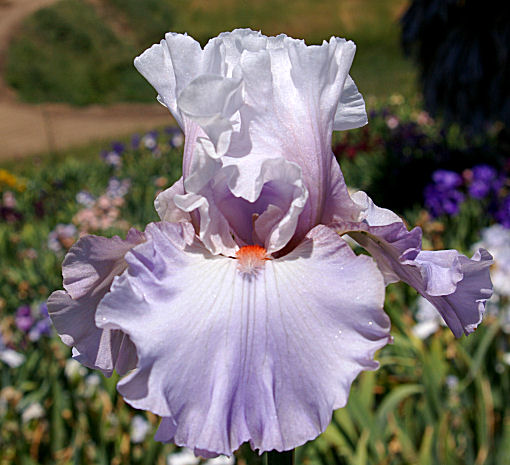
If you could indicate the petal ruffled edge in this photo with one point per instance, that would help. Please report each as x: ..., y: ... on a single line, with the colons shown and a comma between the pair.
x: 457, y: 286
x: 277, y: 364
x: 89, y: 269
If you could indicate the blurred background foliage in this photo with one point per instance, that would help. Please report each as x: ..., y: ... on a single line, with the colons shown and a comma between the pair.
x: 81, y: 52
x: 435, y: 400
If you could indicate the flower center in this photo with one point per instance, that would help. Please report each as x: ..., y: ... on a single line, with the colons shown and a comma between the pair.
x: 251, y: 259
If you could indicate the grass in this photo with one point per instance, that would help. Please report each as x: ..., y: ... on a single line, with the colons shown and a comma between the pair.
x: 81, y: 53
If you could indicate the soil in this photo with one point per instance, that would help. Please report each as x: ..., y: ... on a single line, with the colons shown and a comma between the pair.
x: 27, y: 129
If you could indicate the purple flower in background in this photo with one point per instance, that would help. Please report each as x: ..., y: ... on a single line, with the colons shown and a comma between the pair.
x: 442, y: 197
x: 34, y: 325
x: 24, y: 319
x: 176, y: 136
x: 503, y: 212
x: 243, y: 315
x: 484, y: 180
x: 150, y: 140
x: 85, y: 198
x: 117, y: 188
x: 43, y: 310
x: 446, y: 180
x: 118, y: 147
x: 111, y: 158
x: 40, y: 328
x: 440, y: 202
x: 135, y: 141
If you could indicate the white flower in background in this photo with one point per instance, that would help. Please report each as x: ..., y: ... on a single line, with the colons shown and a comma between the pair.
x: 74, y: 370
x: 183, y: 457
x: 221, y: 460
x: 496, y: 240
x: 428, y: 319
x: 149, y: 141
x: 9, y: 356
x: 32, y: 412
x: 139, y: 429
x: 92, y: 382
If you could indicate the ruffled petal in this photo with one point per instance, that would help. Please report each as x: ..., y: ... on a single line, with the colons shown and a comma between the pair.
x: 456, y: 285
x: 212, y: 101
x: 256, y: 99
x: 231, y: 214
x: 351, y: 112
x: 229, y: 357
x: 464, y: 307
x: 88, y: 270
x: 171, y: 65
x: 292, y: 94
x: 166, y: 207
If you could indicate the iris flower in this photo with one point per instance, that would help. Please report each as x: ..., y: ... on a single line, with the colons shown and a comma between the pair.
x: 243, y: 315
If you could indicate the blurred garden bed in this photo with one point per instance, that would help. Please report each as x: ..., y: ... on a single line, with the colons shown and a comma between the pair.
x: 435, y: 400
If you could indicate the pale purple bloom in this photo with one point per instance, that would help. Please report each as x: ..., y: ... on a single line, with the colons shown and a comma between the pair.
x: 112, y: 158
x: 246, y: 316
x: 452, y: 382
x: 85, y: 198
x: 392, y: 122
x: 24, y: 319
x: 9, y: 200
x: 40, y: 328
x: 118, y: 188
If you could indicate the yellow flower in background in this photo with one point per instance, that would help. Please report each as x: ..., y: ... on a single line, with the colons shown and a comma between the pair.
x: 10, y: 181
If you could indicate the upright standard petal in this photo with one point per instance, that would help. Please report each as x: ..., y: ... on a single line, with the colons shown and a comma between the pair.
x: 456, y: 285
x: 257, y: 99
x: 229, y: 353
x: 88, y: 270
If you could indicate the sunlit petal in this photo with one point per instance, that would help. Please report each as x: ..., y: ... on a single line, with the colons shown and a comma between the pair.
x: 88, y: 270
x: 456, y: 285
x: 230, y: 356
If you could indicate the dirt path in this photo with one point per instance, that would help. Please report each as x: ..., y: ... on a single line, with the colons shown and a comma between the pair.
x: 30, y: 129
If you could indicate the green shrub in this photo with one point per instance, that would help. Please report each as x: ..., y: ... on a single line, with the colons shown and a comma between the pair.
x: 68, y: 54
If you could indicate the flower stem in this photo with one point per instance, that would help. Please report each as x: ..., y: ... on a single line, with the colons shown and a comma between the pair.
x: 280, y: 458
